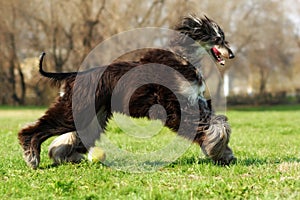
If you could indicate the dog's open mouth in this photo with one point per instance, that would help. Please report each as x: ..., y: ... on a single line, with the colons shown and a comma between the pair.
x: 217, y: 55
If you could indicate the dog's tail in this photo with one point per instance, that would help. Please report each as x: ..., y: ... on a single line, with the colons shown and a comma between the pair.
x: 55, y: 77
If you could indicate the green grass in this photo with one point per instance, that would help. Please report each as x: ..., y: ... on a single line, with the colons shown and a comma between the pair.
x: 265, y: 141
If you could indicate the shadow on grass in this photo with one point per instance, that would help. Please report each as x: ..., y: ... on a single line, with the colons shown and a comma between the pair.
x: 49, y: 166
x: 55, y: 165
x: 264, y: 161
x: 193, y: 160
x: 241, y: 162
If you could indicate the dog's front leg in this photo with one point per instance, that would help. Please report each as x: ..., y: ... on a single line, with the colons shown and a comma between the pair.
x: 216, y: 139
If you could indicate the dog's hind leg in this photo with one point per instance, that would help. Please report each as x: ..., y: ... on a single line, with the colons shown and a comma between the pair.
x: 67, y: 148
x: 56, y: 121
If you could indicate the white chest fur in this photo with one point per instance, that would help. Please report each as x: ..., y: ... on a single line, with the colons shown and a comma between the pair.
x: 194, y: 91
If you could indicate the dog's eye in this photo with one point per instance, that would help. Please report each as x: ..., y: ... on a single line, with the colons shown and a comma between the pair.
x: 217, y: 39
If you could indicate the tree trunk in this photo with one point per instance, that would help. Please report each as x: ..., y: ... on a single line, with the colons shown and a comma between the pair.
x: 263, y: 81
x: 23, y: 86
x: 15, y: 64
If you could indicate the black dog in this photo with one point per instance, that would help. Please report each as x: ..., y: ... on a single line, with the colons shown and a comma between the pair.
x: 192, y: 119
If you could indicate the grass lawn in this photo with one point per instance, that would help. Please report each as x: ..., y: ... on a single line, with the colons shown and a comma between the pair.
x: 266, y: 142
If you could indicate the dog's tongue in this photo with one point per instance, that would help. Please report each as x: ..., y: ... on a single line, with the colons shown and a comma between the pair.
x: 216, y: 52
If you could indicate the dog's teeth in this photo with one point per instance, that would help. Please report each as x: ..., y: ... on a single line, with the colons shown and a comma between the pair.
x: 222, y: 62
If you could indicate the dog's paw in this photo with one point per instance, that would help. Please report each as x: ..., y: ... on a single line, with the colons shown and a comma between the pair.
x: 59, y: 156
x: 32, y: 159
x: 64, y: 149
x: 226, y: 160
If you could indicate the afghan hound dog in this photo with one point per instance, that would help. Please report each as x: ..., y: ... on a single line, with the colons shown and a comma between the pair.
x: 188, y: 112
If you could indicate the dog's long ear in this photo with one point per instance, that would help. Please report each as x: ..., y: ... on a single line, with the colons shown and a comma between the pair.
x: 209, y: 104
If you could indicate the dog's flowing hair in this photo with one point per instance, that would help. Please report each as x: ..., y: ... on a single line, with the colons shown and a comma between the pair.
x: 212, y: 132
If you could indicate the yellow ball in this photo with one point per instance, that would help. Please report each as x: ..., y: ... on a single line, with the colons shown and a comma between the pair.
x: 96, y: 154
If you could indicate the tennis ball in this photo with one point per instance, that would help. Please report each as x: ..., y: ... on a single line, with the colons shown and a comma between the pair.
x: 96, y: 154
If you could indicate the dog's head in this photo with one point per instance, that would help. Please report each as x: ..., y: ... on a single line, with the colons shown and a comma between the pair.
x: 208, y: 34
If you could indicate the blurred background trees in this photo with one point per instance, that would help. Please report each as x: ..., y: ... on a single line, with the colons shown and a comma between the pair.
x: 265, y: 36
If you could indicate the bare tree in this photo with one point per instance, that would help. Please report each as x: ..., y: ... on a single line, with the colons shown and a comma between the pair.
x: 11, y: 29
